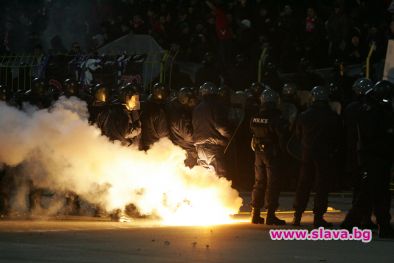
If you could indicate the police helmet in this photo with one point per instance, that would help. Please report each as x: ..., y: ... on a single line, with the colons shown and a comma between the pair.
x: 241, y: 92
x: 362, y: 85
x: 3, y: 93
x: 38, y: 86
x: 160, y: 93
x: 208, y: 88
x: 129, y: 96
x: 269, y: 96
x: 320, y: 93
x: 70, y: 87
x: 256, y: 88
x: 333, y: 89
x: 224, y: 92
x: 184, y: 95
x: 100, y: 93
x: 383, y: 91
x: 289, y: 90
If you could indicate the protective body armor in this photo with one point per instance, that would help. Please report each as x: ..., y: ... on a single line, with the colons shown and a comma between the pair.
x: 263, y: 129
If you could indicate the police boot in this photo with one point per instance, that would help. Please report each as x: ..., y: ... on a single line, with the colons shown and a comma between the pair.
x: 297, y: 219
x: 319, y: 221
x: 4, y: 208
x: 386, y: 231
x: 351, y: 220
x: 256, y: 218
x: 368, y: 224
x: 273, y: 220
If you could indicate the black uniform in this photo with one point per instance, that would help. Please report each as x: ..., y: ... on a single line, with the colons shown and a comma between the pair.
x: 181, y: 129
x: 86, y: 96
x: 95, y: 109
x: 211, y: 133
x: 153, y: 123
x: 375, y: 156
x: 41, y: 101
x: 290, y: 171
x: 119, y: 124
x: 351, y: 115
x: 268, y: 130
x: 318, y: 129
x: 239, y: 155
x: 4, y: 185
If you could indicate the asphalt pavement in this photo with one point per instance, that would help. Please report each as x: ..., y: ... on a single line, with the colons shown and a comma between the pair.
x: 88, y: 239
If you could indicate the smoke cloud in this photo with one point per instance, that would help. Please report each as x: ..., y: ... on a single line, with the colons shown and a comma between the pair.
x: 60, y: 151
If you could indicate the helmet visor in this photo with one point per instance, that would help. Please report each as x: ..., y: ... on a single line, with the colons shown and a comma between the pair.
x: 132, y: 102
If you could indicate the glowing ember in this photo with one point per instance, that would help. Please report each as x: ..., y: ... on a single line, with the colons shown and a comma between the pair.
x: 62, y: 152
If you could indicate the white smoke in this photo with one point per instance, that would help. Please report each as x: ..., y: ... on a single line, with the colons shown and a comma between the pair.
x: 61, y: 151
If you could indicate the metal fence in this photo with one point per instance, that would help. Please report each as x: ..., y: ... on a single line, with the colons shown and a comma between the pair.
x: 18, y: 71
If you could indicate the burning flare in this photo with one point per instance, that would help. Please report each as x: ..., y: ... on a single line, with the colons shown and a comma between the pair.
x: 63, y: 152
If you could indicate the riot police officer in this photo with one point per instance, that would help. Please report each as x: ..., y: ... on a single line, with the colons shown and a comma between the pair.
x: 288, y: 104
x: 225, y: 96
x: 350, y: 115
x: 375, y: 125
x: 16, y: 98
x: 120, y: 121
x: 256, y: 89
x: 153, y: 118
x: 224, y: 93
x: 3, y: 93
x: 318, y: 129
x: 99, y: 103
x: 335, y: 98
x: 70, y: 88
x: 4, y: 198
x: 211, y: 130
x: 268, y: 130
x: 36, y: 95
x: 289, y: 108
x: 179, y: 115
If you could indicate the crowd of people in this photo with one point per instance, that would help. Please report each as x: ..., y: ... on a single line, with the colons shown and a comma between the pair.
x: 321, y: 32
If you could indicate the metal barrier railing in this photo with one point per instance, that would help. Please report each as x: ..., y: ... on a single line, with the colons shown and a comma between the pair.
x: 17, y: 71
x: 367, y: 62
x: 262, y: 61
x: 350, y: 70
